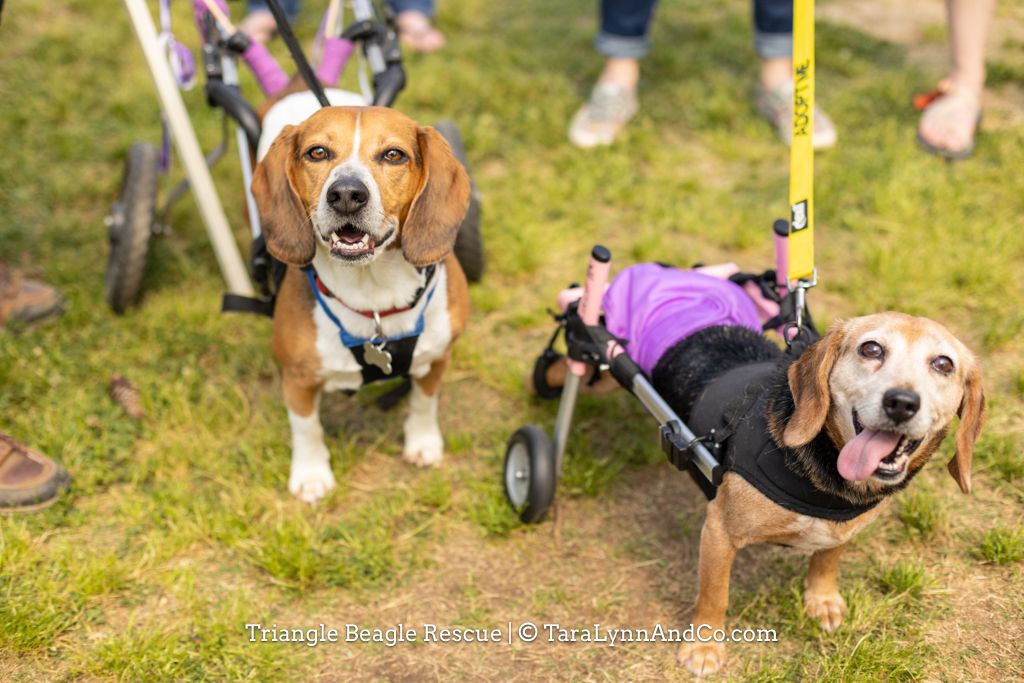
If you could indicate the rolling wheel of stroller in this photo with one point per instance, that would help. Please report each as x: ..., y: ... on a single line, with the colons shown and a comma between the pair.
x: 530, y: 473
x: 539, y: 378
x: 131, y: 225
x: 469, y: 246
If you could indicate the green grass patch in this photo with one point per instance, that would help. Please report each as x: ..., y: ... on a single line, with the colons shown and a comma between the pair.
x: 921, y: 513
x: 180, y: 528
x: 1001, y: 545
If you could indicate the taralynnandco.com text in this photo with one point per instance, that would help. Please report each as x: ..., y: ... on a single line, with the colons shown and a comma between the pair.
x: 526, y: 632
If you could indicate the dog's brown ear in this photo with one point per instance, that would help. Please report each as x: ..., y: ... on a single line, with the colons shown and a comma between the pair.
x: 808, y: 382
x: 429, y: 232
x: 285, y: 225
x: 972, y: 416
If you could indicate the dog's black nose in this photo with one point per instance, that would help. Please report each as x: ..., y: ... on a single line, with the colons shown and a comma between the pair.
x: 900, y: 404
x: 348, y: 195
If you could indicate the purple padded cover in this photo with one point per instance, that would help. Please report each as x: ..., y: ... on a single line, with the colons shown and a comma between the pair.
x: 654, y: 307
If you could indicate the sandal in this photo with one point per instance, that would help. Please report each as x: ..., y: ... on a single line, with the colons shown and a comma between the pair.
x: 776, y: 106
x: 947, y: 109
x: 29, y: 481
x: 259, y: 26
x: 416, y: 29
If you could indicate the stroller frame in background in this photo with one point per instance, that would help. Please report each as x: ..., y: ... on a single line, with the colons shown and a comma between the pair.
x: 136, y: 217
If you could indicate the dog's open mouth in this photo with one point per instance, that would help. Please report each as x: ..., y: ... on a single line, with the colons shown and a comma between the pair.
x: 875, y: 453
x: 348, y: 241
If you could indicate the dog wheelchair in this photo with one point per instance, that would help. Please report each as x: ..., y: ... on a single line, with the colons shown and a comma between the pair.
x: 136, y: 215
x: 533, y: 460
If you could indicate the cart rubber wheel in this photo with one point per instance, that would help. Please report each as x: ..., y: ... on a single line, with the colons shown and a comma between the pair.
x: 539, y: 379
x: 131, y: 226
x: 469, y: 245
x: 530, y: 473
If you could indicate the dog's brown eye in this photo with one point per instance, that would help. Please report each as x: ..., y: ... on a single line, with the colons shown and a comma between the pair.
x: 871, y: 350
x: 317, y: 153
x: 943, y: 365
x: 394, y: 156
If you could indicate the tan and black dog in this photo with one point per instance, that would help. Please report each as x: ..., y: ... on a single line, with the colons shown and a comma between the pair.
x: 843, y: 427
x: 369, y: 203
x: 814, y: 447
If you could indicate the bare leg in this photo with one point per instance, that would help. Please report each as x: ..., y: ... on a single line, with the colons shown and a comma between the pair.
x: 716, y: 557
x: 969, y: 21
x: 775, y: 71
x: 622, y: 71
x: 822, y: 600
x: 949, y: 122
x: 611, y: 105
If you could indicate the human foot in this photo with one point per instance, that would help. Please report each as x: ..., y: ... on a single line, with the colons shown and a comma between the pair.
x: 950, y: 116
x: 259, y: 26
x: 416, y: 29
x: 602, y: 118
x: 776, y: 105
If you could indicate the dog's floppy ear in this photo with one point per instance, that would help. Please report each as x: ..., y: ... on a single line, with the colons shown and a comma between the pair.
x: 429, y: 232
x: 285, y: 224
x: 972, y: 416
x: 808, y: 382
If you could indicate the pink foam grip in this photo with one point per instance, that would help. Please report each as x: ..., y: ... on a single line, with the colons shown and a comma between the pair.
x: 781, y: 260
x: 332, y: 61
x: 594, y: 286
x: 268, y: 73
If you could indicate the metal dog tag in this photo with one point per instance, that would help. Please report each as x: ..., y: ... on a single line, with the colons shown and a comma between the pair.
x: 377, y: 355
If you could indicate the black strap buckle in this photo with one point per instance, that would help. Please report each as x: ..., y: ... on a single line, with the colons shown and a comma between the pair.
x: 680, y: 451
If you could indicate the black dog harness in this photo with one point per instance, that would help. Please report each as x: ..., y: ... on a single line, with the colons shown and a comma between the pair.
x: 732, y: 412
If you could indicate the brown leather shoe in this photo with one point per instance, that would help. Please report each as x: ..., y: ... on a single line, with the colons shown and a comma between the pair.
x: 29, y: 480
x: 26, y: 300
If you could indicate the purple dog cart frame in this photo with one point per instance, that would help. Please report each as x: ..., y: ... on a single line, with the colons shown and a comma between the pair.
x: 533, y: 460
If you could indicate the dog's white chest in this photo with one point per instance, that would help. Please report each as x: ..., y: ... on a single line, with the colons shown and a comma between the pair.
x: 338, y: 365
x: 812, y: 533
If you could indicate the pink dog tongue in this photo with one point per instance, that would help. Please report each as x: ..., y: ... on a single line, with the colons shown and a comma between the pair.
x: 861, y: 455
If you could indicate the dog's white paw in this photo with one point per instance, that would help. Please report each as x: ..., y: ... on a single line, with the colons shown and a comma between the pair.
x: 311, y: 481
x: 827, y: 608
x: 702, y: 659
x: 424, y: 445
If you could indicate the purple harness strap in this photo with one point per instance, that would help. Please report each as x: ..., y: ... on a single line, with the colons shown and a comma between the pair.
x: 654, y: 307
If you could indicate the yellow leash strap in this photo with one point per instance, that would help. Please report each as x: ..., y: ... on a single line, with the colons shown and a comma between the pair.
x: 801, y: 153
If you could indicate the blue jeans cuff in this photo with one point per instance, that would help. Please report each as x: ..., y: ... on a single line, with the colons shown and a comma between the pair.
x: 772, y: 45
x: 627, y: 47
x: 423, y: 6
x: 291, y: 7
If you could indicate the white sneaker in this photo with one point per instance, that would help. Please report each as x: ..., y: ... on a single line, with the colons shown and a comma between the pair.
x: 602, y: 118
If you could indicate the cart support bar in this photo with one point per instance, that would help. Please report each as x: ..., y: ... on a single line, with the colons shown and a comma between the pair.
x: 664, y: 414
x: 230, y: 259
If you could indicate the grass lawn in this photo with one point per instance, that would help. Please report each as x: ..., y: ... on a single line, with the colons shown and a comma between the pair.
x: 179, y: 529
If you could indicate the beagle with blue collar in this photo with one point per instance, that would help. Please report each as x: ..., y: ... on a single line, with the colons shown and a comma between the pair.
x: 363, y: 205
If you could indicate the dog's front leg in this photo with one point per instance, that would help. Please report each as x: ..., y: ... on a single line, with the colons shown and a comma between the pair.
x: 311, y: 477
x: 424, y: 445
x: 716, y: 556
x: 822, y: 600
